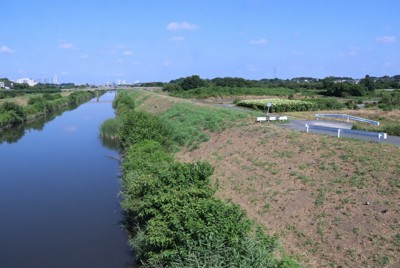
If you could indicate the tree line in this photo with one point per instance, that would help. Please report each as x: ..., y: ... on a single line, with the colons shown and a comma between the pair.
x: 330, y: 86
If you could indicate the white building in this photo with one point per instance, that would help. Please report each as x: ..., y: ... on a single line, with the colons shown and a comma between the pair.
x: 28, y: 81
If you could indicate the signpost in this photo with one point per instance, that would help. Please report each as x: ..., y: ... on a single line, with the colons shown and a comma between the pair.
x: 268, y: 105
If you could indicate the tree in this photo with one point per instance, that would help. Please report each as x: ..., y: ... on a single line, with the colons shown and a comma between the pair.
x: 368, y: 82
x: 192, y: 82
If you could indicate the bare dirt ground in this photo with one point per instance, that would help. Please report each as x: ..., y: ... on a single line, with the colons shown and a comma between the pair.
x: 333, y: 203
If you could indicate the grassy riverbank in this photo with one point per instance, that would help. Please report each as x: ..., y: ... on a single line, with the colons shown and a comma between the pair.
x: 172, y: 214
x: 332, y: 202
x: 38, y: 105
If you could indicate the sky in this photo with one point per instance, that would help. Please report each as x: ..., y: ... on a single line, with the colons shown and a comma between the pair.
x: 160, y: 40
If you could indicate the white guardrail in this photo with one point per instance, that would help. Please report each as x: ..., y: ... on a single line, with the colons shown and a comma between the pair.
x: 349, y: 117
x: 339, y: 131
x: 271, y: 118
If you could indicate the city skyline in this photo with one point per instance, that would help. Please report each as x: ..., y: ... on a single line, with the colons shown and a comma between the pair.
x: 164, y: 40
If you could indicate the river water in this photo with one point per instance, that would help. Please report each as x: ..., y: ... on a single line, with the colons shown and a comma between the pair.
x: 59, y: 187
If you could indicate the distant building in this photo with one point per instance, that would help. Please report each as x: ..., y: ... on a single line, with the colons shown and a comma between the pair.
x: 28, y: 81
x: 6, y: 85
x: 55, y: 80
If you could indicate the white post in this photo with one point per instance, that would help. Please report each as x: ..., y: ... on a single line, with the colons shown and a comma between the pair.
x: 307, y: 127
x: 338, y: 132
x: 379, y: 137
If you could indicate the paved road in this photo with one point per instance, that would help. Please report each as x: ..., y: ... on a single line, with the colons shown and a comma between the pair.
x: 331, y: 128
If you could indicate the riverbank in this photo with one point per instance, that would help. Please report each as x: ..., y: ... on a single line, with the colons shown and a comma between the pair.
x: 172, y: 214
x: 39, y: 106
x: 331, y: 202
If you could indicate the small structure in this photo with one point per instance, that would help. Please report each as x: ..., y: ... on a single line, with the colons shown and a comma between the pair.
x: 28, y: 81
x: 271, y: 118
x: 6, y: 84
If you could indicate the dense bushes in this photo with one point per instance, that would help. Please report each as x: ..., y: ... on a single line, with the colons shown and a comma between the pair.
x: 11, y: 114
x: 171, y: 213
x: 123, y: 102
x: 138, y: 126
x: 390, y: 100
x: 216, y: 91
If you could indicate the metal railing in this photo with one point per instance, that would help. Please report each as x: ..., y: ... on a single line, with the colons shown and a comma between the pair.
x: 348, y: 118
x: 352, y: 133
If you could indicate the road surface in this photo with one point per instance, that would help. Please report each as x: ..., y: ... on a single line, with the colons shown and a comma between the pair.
x: 331, y: 128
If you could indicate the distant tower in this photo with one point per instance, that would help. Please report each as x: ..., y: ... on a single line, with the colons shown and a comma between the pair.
x: 55, y: 79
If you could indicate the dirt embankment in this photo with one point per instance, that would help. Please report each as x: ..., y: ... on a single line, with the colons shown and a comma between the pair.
x: 333, y: 203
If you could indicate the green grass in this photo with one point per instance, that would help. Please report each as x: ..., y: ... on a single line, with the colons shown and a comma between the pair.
x: 189, y: 122
x: 207, y: 92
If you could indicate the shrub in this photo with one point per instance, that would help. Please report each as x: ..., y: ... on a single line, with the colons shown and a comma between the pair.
x: 11, y: 114
x: 392, y: 129
x: 138, y: 126
x: 123, y: 102
x: 109, y: 129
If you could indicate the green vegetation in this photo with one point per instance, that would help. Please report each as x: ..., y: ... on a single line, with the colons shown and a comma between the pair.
x: 11, y: 114
x: 390, y: 129
x: 207, y: 92
x: 284, y: 105
x: 10, y: 94
x: 39, y: 105
x: 390, y: 100
x: 195, y: 87
x: 171, y: 213
x: 188, y: 122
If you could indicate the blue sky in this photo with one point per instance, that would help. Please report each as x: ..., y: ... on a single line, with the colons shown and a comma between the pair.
x: 160, y: 40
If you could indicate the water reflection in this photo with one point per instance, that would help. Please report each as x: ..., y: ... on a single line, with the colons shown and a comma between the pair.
x: 59, y: 204
x: 12, y: 135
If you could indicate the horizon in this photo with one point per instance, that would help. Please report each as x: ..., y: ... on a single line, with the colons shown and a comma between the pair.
x: 157, y: 41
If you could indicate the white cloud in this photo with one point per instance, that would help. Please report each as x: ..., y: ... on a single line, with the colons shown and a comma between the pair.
x: 85, y: 56
x: 388, y: 65
x: 387, y: 39
x: 127, y: 53
x: 65, y: 45
x: 5, y: 49
x: 167, y: 63
x: 351, y: 52
x: 174, y: 26
x: 260, y: 42
x: 252, y: 68
x: 177, y: 38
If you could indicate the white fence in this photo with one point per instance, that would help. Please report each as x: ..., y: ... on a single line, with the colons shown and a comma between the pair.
x: 271, y: 118
x: 351, y: 133
x: 348, y: 118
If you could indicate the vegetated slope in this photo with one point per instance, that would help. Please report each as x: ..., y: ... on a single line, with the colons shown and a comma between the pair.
x: 333, y: 202
x: 38, y: 105
x: 171, y: 213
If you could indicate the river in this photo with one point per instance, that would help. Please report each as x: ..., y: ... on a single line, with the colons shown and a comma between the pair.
x: 59, y: 187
